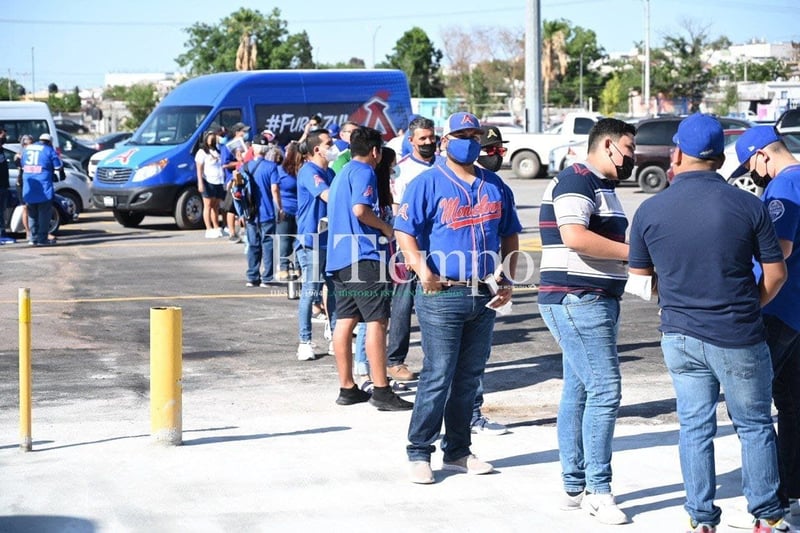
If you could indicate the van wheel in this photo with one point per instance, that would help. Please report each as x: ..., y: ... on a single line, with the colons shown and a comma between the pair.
x: 526, y: 164
x: 129, y: 219
x: 652, y: 179
x: 189, y: 209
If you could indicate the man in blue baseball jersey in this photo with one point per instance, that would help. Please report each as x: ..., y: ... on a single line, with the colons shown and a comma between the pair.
x: 39, y: 162
x: 701, y: 235
x: 583, y: 276
x: 457, y: 226
x: 357, y: 261
x: 313, y: 184
x: 761, y: 151
x: 260, y: 226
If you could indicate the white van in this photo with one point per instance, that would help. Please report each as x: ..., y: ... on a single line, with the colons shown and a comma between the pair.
x: 32, y: 118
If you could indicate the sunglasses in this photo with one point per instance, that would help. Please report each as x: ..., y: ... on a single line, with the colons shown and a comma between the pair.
x: 495, y: 150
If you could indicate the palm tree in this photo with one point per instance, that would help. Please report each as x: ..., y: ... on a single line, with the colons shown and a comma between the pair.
x: 554, y: 54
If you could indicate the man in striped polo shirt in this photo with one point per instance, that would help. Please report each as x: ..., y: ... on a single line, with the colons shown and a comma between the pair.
x: 583, y: 275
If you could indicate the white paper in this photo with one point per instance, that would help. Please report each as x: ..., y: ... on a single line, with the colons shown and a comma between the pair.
x: 641, y: 286
x: 236, y: 144
x: 504, y: 309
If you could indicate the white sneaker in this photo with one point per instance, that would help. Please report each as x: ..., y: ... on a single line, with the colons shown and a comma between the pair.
x: 571, y: 503
x: 331, y: 351
x: 225, y: 232
x: 305, y: 352
x: 485, y: 426
x: 420, y: 472
x: 328, y: 333
x: 604, y: 508
x: 468, y: 465
x: 212, y: 234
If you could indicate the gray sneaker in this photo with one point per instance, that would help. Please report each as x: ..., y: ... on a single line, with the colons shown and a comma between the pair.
x: 484, y: 426
x: 468, y: 464
x: 420, y: 472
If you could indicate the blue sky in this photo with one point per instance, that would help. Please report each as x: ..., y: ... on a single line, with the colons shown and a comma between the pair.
x: 76, y: 43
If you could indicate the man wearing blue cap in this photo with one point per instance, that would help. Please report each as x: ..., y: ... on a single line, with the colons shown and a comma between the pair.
x: 457, y: 226
x: 700, y: 235
x: 762, y: 152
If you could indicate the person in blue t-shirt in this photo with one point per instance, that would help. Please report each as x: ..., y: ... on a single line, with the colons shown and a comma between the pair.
x: 39, y: 164
x: 761, y: 151
x: 700, y: 236
x: 313, y: 184
x: 457, y: 226
x: 582, y: 226
x: 357, y: 262
x: 287, y: 209
x: 260, y: 226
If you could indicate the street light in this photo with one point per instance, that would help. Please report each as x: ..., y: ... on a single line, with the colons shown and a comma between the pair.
x: 374, y: 34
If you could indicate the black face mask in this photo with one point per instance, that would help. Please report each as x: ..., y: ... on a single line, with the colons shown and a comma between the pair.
x: 759, y: 180
x: 491, y: 162
x: 625, y: 170
x: 427, y: 150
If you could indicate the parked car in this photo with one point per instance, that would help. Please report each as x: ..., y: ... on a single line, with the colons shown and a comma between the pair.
x: 95, y: 160
x: 789, y: 119
x: 75, y: 149
x: 75, y: 188
x: 109, y: 140
x: 70, y: 126
x: 62, y: 214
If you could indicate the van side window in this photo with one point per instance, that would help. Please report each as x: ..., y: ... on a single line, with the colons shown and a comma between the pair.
x: 583, y: 125
x: 227, y: 118
x: 17, y: 128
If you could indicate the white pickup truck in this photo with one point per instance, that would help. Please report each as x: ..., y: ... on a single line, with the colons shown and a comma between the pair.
x: 527, y: 153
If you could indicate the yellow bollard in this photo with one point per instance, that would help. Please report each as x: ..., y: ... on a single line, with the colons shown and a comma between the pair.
x: 25, y: 381
x: 166, y: 368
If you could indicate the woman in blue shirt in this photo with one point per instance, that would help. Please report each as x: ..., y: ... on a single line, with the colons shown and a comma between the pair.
x: 287, y: 210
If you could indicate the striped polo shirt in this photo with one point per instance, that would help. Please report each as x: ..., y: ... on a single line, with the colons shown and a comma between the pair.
x: 578, y: 196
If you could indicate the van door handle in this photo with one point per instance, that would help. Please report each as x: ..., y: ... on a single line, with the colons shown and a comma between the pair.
x: 183, y: 165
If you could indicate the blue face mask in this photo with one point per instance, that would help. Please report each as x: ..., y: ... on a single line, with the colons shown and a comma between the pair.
x: 463, y: 151
x: 246, y: 136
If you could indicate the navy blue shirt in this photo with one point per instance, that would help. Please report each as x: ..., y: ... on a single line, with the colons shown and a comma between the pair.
x: 701, y: 235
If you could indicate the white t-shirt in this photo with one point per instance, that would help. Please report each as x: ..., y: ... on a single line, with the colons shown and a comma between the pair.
x: 212, y: 166
x: 408, y: 168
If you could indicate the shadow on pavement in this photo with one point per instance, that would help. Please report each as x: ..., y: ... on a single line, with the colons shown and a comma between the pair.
x: 234, y: 438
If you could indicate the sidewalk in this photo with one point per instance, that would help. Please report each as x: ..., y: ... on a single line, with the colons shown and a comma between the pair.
x: 283, y: 457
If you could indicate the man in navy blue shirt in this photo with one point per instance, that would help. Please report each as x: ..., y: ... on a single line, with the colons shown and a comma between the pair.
x: 583, y: 225
x: 357, y: 238
x: 700, y: 236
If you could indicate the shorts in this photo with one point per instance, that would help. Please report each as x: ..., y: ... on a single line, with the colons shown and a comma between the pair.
x: 369, y: 298
x: 227, y: 203
x: 213, y: 190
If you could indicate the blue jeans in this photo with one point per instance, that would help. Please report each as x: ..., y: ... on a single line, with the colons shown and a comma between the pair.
x: 39, y: 215
x: 286, y: 230
x: 698, y: 369
x: 260, y: 237
x: 360, y: 355
x: 585, y: 328
x: 4, y: 194
x: 400, y: 321
x: 784, y: 347
x: 312, y: 264
x: 456, y: 340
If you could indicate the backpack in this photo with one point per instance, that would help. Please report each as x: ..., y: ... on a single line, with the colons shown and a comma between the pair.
x: 244, y: 189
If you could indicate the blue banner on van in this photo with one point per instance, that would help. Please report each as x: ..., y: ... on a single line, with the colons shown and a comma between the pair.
x: 154, y: 172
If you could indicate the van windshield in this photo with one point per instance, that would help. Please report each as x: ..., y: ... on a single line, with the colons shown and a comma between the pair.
x: 16, y: 128
x: 169, y: 125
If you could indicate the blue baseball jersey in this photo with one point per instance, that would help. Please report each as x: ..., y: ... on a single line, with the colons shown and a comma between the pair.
x: 579, y: 195
x: 782, y: 198
x: 349, y: 240
x: 287, y: 184
x: 265, y: 174
x: 312, y: 181
x: 39, y: 162
x: 458, y: 226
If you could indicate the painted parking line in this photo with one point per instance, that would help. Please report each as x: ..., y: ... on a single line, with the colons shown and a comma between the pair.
x: 532, y: 244
x: 119, y: 299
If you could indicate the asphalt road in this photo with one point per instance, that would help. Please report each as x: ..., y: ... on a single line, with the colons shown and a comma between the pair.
x: 92, y: 294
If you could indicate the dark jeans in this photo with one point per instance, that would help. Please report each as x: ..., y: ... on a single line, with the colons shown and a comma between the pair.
x: 3, y: 205
x: 39, y: 215
x: 260, y: 238
x: 286, y: 229
x: 784, y: 347
x: 400, y: 320
x: 456, y: 340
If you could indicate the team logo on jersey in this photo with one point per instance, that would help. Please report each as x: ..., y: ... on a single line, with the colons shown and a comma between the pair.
x: 402, y: 212
x: 124, y: 157
x: 776, y: 209
x: 368, y: 192
x: 457, y: 216
x: 318, y: 180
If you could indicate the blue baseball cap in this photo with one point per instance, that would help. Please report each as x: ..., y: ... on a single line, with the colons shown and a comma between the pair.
x: 462, y: 121
x: 751, y: 141
x: 700, y: 136
x: 334, y: 129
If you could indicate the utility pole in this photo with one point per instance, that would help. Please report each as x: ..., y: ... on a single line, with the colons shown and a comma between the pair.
x: 33, y: 76
x: 647, y: 56
x: 533, y: 66
x: 580, y: 82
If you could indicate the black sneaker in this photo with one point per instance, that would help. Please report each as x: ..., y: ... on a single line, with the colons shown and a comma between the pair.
x: 384, y: 399
x: 352, y: 396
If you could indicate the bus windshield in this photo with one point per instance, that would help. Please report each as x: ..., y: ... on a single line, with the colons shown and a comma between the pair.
x: 170, y: 125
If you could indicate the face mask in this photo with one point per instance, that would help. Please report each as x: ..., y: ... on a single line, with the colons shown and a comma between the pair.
x: 332, y: 153
x: 427, y: 150
x: 463, y: 151
x: 491, y: 162
x: 759, y: 180
x: 625, y: 170
x: 394, y: 172
x: 246, y: 136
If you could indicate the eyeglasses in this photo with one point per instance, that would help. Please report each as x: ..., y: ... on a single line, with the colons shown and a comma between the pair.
x: 495, y: 150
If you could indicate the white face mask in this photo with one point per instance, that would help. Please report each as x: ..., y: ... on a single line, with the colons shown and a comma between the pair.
x: 332, y: 154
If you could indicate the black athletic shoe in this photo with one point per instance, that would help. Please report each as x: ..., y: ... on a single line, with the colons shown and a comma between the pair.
x: 352, y: 396
x: 385, y: 399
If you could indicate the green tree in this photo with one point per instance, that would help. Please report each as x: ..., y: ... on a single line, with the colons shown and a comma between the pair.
x: 69, y: 103
x: 678, y: 70
x: 212, y: 47
x: 730, y: 101
x: 10, y: 89
x: 610, y: 97
x: 415, y: 55
x: 354, y: 62
x: 140, y: 100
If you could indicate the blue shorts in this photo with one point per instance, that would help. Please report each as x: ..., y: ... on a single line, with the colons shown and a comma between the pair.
x: 213, y: 190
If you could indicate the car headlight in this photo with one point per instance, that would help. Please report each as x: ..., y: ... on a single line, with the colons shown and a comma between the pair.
x: 148, y: 171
